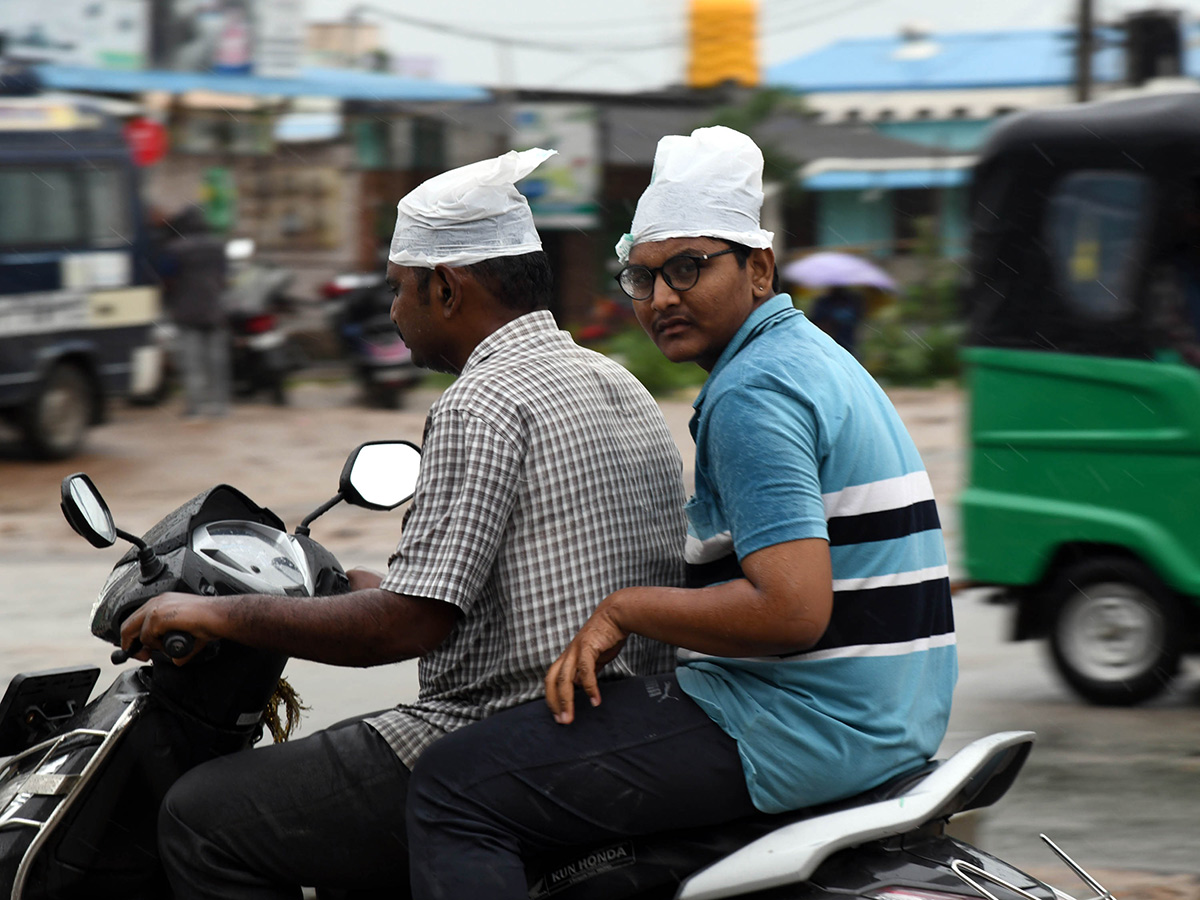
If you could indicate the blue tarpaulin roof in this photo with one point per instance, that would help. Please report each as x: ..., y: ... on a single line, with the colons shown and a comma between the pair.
x: 344, y: 84
x: 948, y: 61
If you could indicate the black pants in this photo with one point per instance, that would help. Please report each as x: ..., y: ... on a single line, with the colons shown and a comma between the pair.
x: 326, y: 811
x: 647, y: 759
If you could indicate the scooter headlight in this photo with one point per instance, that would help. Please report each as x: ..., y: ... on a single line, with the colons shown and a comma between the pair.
x: 260, y: 558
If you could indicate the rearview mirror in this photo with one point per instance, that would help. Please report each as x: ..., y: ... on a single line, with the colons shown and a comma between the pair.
x: 381, y: 474
x: 86, y: 511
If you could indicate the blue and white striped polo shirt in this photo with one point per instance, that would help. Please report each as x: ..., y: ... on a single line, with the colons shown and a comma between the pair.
x: 794, y: 439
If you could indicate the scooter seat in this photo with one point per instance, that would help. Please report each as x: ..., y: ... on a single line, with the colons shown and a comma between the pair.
x: 765, y: 850
x: 653, y: 865
x: 975, y: 776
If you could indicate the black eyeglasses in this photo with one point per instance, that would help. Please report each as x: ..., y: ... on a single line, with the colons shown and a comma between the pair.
x: 679, y: 272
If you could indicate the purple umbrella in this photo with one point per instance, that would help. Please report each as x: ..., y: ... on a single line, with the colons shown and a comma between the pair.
x: 829, y: 269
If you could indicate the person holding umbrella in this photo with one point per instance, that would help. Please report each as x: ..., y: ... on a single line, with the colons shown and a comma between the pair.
x: 837, y: 313
x: 842, y: 305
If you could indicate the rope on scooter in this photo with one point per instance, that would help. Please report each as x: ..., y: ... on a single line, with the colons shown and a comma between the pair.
x: 282, y: 715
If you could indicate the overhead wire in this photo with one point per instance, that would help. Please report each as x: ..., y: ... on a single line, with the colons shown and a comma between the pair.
x: 791, y: 25
x: 610, y: 44
x: 512, y: 40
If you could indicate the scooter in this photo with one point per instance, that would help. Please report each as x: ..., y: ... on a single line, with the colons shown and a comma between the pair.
x: 261, y: 357
x: 79, y: 796
x: 382, y: 362
x: 79, y: 799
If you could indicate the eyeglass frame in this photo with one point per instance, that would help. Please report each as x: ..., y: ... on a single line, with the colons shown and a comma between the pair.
x: 656, y: 271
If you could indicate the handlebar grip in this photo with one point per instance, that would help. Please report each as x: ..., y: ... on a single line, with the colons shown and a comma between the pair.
x: 178, y: 644
x: 120, y: 656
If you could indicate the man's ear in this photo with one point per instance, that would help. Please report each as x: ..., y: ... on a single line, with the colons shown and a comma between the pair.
x: 446, y: 287
x: 761, y: 266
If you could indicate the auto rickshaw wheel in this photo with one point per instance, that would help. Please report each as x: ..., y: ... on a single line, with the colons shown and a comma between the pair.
x: 1116, y: 633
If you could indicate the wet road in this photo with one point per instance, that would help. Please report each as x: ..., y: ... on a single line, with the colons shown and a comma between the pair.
x: 1118, y: 789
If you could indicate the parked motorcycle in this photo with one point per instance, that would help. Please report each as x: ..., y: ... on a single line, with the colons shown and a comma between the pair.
x: 261, y: 356
x: 361, y: 318
x: 79, y: 796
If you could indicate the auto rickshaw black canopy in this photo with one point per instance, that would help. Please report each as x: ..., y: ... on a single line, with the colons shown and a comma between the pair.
x: 1016, y: 298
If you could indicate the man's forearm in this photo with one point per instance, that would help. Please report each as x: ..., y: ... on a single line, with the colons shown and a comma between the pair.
x: 732, y: 619
x: 363, y: 628
x: 782, y: 605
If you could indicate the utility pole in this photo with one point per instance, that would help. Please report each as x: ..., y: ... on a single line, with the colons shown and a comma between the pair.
x: 1084, y: 47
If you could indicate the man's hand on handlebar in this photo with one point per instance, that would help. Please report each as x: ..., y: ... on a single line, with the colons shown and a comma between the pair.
x: 164, y: 623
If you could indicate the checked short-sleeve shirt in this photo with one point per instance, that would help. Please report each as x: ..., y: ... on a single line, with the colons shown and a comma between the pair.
x: 548, y: 480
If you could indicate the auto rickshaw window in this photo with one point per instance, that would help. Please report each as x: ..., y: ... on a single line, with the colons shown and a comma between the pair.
x: 1097, y: 227
x: 1173, y: 279
x: 39, y: 207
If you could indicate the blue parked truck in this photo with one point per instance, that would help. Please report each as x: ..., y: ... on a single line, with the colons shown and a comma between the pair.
x: 78, y: 298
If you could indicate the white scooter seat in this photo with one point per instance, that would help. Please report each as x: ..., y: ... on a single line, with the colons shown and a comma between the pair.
x: 975, y: 776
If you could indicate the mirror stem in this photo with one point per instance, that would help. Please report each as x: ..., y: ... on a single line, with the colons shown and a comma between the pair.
x: 133, y: 539
x: 302, y: 529
x: 149, y: 564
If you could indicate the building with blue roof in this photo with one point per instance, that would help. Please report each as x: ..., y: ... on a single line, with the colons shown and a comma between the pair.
x: 943, y: 91
x: 972, y: 60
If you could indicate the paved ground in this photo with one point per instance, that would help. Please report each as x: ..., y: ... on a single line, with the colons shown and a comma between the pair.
x: 1120, y: 790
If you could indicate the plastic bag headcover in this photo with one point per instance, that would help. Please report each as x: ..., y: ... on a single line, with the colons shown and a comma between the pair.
x: 708, y: 184
x: 469, y: 214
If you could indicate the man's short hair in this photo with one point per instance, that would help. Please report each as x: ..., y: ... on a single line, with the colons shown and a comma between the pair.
x: 742, y: 253
x: 522, y: 283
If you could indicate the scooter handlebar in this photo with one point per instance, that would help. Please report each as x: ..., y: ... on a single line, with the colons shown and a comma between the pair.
x: 176, y: 644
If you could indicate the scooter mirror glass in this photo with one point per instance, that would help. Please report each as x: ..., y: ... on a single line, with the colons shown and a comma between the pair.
x: 87, y: 512
x: 381, y: 475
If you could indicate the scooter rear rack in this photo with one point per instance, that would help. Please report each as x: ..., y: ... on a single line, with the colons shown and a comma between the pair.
x: 973, y: 877
x: 67, y: 786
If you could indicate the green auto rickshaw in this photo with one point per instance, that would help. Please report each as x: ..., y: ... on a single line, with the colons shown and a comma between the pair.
x: 1083, y: 496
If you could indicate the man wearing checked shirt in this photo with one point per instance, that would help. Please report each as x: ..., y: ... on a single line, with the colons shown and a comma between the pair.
x: 548, y: 481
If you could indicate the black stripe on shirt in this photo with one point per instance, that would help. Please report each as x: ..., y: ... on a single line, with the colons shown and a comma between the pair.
x: 888, y: 615
x: 727, y: 568
x: 885, y: 525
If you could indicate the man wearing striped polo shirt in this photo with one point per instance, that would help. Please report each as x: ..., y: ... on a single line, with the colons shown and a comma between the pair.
x: 817, y: 640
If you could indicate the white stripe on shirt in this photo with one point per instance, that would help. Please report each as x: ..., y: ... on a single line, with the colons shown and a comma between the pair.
x: 698, y: 552
x: 858, y: 651
x: 887, y: 493
x: 916, y: 576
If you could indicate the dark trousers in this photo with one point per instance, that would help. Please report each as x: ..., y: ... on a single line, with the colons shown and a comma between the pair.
x: 326, y: 811
x: 647, y: 759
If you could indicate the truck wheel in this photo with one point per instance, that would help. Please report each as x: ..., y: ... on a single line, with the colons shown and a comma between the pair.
x: 57, y: 418
x: 1116, y: 633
